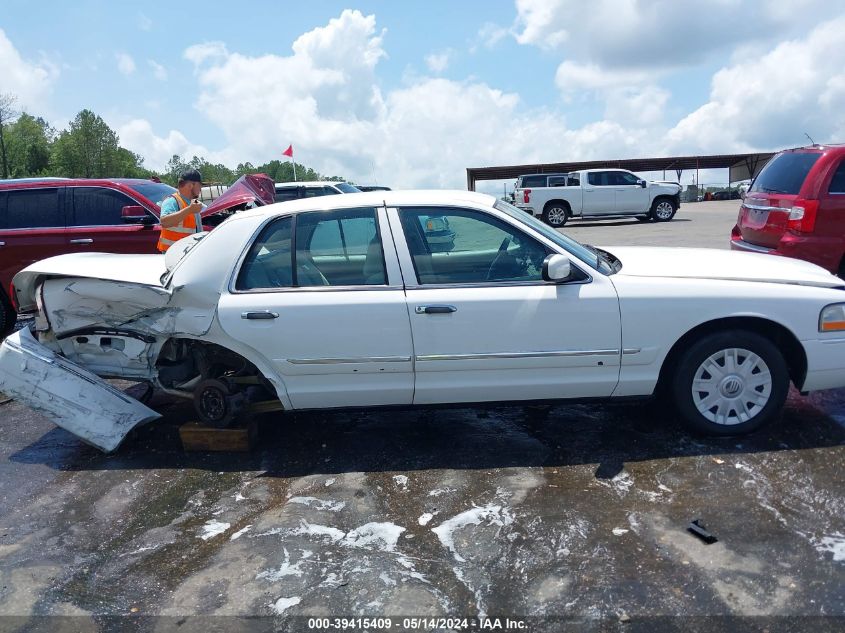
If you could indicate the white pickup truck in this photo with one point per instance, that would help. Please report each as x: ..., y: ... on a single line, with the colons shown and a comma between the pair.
x: 596, y: 193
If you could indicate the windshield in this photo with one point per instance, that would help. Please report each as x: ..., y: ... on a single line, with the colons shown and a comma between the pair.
x: 347, y: 188
x: 155, y: 192
x: 785, y: 173
x: 585, y: 254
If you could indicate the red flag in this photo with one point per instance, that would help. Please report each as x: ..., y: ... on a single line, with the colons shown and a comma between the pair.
x: 288, y: 151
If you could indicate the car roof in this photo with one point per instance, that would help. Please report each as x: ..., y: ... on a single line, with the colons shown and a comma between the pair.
x: 422, y: 197
x: 92, y: 182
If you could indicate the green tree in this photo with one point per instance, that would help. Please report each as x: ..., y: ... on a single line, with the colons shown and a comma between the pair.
x: 7, y: 115
x: 28, y: 143
x: 88, y: 148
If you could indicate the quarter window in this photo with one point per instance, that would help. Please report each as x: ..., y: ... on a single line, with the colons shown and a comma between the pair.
x: 32, y: 209
x: 269, y: 263
x: 452, y: 246
x: 837, y: 183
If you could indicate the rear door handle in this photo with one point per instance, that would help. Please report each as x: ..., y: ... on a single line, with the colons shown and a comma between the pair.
x: 266, y: 314
x: 435, y: 309
x: 86, y: 240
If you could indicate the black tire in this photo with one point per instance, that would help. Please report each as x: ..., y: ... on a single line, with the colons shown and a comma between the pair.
x: 663, y: 209
x: 738, y: 417
x: 556, y: 213
x: 214, y: 403
x: 8, y: 316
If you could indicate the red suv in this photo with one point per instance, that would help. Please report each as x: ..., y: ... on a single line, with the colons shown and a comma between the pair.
x: 42, y: 217
x: 796, y: 208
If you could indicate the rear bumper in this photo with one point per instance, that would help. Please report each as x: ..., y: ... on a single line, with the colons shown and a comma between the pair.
x: 742, y: 245
x: 525, y: 207
x: 70, y: 396
x: 821, y: 251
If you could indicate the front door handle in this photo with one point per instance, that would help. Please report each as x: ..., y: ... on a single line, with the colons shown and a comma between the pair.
x: 266, y: 314
x: 435, y: 309
x: 85, y: 240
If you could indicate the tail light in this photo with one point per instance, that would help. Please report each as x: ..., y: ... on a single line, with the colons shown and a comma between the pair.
x: 526, y: 196
x: 802, y: 216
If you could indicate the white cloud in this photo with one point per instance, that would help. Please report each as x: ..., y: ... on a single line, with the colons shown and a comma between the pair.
x: 658, y: 33
x: 125, y: 63
x: 31, y: 82
x: 159, y: 71
x: 438, y: 62
x: 489, y: 35
x: 200, y: 53
x: 144, y: 23
x: 137, y: 135
x: 770, y: 101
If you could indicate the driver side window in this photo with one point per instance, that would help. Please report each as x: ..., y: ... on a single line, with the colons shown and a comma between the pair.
x: 456, y: 246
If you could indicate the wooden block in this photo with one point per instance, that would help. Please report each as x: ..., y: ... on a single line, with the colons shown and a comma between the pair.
x: 197, y: 437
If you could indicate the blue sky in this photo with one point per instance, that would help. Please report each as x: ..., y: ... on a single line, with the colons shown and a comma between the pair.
x: 411, y: 93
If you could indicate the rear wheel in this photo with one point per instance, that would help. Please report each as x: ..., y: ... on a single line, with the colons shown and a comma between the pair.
x: 730, y: 383
x: 215, y: 403
x: 555, y: 214
x: 663, y: 210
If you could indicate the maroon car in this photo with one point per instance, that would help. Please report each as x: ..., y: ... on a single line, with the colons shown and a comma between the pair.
x: 42, y: 217
x: 796, y: 208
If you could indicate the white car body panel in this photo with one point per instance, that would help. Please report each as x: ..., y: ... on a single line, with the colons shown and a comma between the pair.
x: 365, y: 346
x: 72, y: 397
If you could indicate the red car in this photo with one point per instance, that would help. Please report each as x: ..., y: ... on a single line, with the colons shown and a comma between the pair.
x: 796, y: 208
x: 42, y: 217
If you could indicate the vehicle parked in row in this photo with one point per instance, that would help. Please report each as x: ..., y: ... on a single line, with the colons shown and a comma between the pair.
x: 732, y: 194
x: 796, y: 208
x: 373, y: 188
x: 596, y: 193
x: 42, y: 217
x: 311, y: 189
x: 343, y: 301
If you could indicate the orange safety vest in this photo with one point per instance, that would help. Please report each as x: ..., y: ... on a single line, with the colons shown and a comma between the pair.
x: 171, y: 234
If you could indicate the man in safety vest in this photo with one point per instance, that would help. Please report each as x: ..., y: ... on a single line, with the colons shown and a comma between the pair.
x: 180, y: 211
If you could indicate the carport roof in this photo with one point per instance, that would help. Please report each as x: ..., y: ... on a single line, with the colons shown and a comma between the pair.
x: 742, y: 166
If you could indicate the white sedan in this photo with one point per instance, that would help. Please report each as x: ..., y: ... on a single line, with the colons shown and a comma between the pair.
x: 345, y: 301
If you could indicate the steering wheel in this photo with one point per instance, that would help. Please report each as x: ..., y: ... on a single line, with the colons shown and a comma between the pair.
x: 501, y: 254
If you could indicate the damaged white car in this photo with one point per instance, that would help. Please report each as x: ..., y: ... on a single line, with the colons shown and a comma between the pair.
x: 344, y: 301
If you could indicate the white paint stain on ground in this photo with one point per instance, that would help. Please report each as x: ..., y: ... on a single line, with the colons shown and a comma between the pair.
x: 382, y: 536
x: 425, y: 518
x: 283, y: 604
x: 440, y: 491
x: 492, y: 514
x: 329, y: 482
x: 834, y: 544
x: 240, y: 533
x: 286, y: 569
x: 319, y: 504
x: 620, y: 531
x: 401, y: 481
x: 213, y: 528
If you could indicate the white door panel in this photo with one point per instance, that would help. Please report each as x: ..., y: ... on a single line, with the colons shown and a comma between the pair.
x: 516, y: 343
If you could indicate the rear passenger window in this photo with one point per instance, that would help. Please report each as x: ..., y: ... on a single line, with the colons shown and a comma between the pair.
x: 33, y: 208
x: 837, y: 183
x: 269, y: 263
x: 339, y: 248
x: 97, y: 206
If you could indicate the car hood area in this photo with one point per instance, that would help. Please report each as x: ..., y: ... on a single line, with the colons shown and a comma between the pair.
x: 250, y: 188
x: 705, y: 263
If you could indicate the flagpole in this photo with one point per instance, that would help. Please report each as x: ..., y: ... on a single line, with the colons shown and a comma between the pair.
x: 294, y: 168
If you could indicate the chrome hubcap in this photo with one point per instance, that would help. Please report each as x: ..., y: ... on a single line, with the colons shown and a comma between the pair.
x: 557, y: 216
x: 731, y: 386
x: 664, y: 210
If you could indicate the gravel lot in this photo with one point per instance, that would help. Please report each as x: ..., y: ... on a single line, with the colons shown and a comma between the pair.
x: 534, y: 513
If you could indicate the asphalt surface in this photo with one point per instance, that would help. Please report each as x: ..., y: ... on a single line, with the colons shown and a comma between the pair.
x: 528, y: 512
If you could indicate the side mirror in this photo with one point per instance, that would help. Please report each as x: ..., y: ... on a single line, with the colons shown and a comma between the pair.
x: 556, y: 268
x: 643, y: 184
x: 136, y: 213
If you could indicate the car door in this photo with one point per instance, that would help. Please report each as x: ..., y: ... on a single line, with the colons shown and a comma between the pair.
x: 599, y: 194
x: 32, y: 227
x: 95, y: 223
x: 631, y: 196
x: 320, y: 296
x: 486, y: 327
